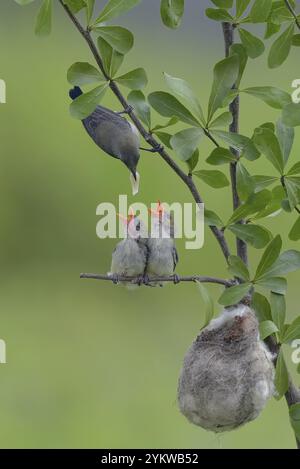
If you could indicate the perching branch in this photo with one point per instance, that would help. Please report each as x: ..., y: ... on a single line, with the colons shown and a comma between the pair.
x: 187, y: 179
x: 174, y: 279
x: 291, y: 10
x: 228, y: 31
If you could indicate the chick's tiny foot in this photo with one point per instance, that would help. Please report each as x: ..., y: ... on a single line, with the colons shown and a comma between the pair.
x: 146, y: 279
x: 127, y: 110
x: 176, y: 279
x: 115, y: 279
x: 140, y: 280
x: 156, y: 149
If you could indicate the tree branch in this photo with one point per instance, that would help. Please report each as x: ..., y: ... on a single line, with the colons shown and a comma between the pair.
x: 219, y: 235
x: 291, y: 10
x: 228, y: 31
x: 173, y: 279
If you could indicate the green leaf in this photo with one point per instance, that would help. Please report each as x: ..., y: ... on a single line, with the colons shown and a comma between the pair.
x: 278, y: 309
x: 169, y: 123
x: 169, y: 106
x: 241, y: 7
x: 267, y: 328
x: 224, y: 120
x: 186, y: 141
x: 281, y: 48
x: 208, y: 303
x: 75, y: 5
x: 218, y: 14
x: 182, y: 89
x: 269, y: 257
x: 193, y: 161
x: 254, y: 204
x: 260, y: 11
x: 215, y: 179
x: 245, y: 183
x: 84, y: 105
x: 285, y: 137
x: 212, y: 219
x: 120, y: 39
x: 225, y: 75
x: 292, y: 190
x: 233, y: 295
x: 238, y: 268
x: 165, y: 138
x: 281, y: 376
x: 272, y: 96
x: 288, y: 261
x: 134, y: 80
x: 271, y: 29
x: 115, y: 8
x: 220, y: 156
x: 296, y: 40
x: 171, y: 12
x: 274, y: 284
x: 255, y: 235
x: 112, y: 59
x: 90, y: 4
x: 24, y: 2
x: 267, y: 143
x: 261, y: 182
x: 253, y: 45
x: 294, y: 234
x: 261, y: 307
x: 223, y: 3
x: 294, y: 412
x: 239, y: 142
x: 292, y: 332
x: 82, y: 73
x: 295, y: 169
x: 241, y: 52
x: 142, y: 109
x: 44, y: 19
x: 291, y: 115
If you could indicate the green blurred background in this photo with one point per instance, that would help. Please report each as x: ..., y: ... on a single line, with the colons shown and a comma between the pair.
x: 90, y: 364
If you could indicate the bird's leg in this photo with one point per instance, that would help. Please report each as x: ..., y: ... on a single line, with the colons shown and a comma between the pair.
x: 115, y: 279
x: 140, y: 280
x: 146, y: 279
x: 176, y: 279
x: 127, y: 110
x: 157, y: 149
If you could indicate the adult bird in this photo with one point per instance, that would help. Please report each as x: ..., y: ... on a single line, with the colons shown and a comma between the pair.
x: 115, y: 135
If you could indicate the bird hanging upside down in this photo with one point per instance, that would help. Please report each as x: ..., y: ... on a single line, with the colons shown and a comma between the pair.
x: 115, y: 135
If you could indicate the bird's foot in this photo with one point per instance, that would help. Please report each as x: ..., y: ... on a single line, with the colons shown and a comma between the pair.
x: 157, y: 149
x: 140, y: 280
x: 127, y: 110
x: 176, y: 279
x: 146, y: 279
x: 115, y: 279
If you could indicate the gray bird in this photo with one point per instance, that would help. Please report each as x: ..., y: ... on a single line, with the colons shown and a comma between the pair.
x: 163, y: 256
x: 114, y: 135
x: 130, y: 255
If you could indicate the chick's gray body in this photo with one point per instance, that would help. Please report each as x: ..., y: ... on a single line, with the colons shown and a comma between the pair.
x: 228, y: 373
x: 114, y: 135
x: 129, y: 258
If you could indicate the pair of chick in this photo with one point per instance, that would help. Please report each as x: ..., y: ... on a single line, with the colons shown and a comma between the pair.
x: 142, y: 256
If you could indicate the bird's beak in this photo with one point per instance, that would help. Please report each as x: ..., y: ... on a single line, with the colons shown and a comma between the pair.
x: 135, y: 182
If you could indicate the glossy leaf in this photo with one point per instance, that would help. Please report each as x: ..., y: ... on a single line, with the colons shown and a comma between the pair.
x: 261, y: 307
x: 260, y: 11
x: 171, y: 12
x: 82, y: 73
x: 215, y: 179
x: 44, y: 19
x: 281, y: 48
x: 267, y: 143
x: 208, y: 303
x: 269, y: 257
x: 285, y: 137
x: 233, y: 295
x: 120, y: 39
x: 186, y: 141
x: 291, y: 115
x: 272, y: 96
x: 294, y: 234
x: 239, y: 142
x: 134, y: 80
x: 267, y: 328
x: 115, y: 8
x: 112, y: 59
x: 238, y: 268
x: 255, y: 235
x: 169, y: 106
x: 281, y: 376
x: 278, y: 309
x: 218, y: 14
x: 274, y: 284
x: 292, y: 332
x: 253, y: 45
x: 142, y: 109
x: 85, y: 104
x: 220, y: 156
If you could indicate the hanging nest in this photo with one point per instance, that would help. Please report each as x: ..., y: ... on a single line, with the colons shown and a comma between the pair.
x: 228, y: 373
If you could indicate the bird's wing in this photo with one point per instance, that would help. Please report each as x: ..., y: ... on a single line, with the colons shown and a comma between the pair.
x: 175, y: 257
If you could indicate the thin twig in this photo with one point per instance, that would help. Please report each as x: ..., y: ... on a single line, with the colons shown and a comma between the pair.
x: 228, y: 31
x: 173, y: 279
x: 290, y: 8
x: 219, y: 235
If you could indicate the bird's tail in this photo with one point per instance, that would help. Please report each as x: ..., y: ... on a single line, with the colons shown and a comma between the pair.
x: 75, y: 92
